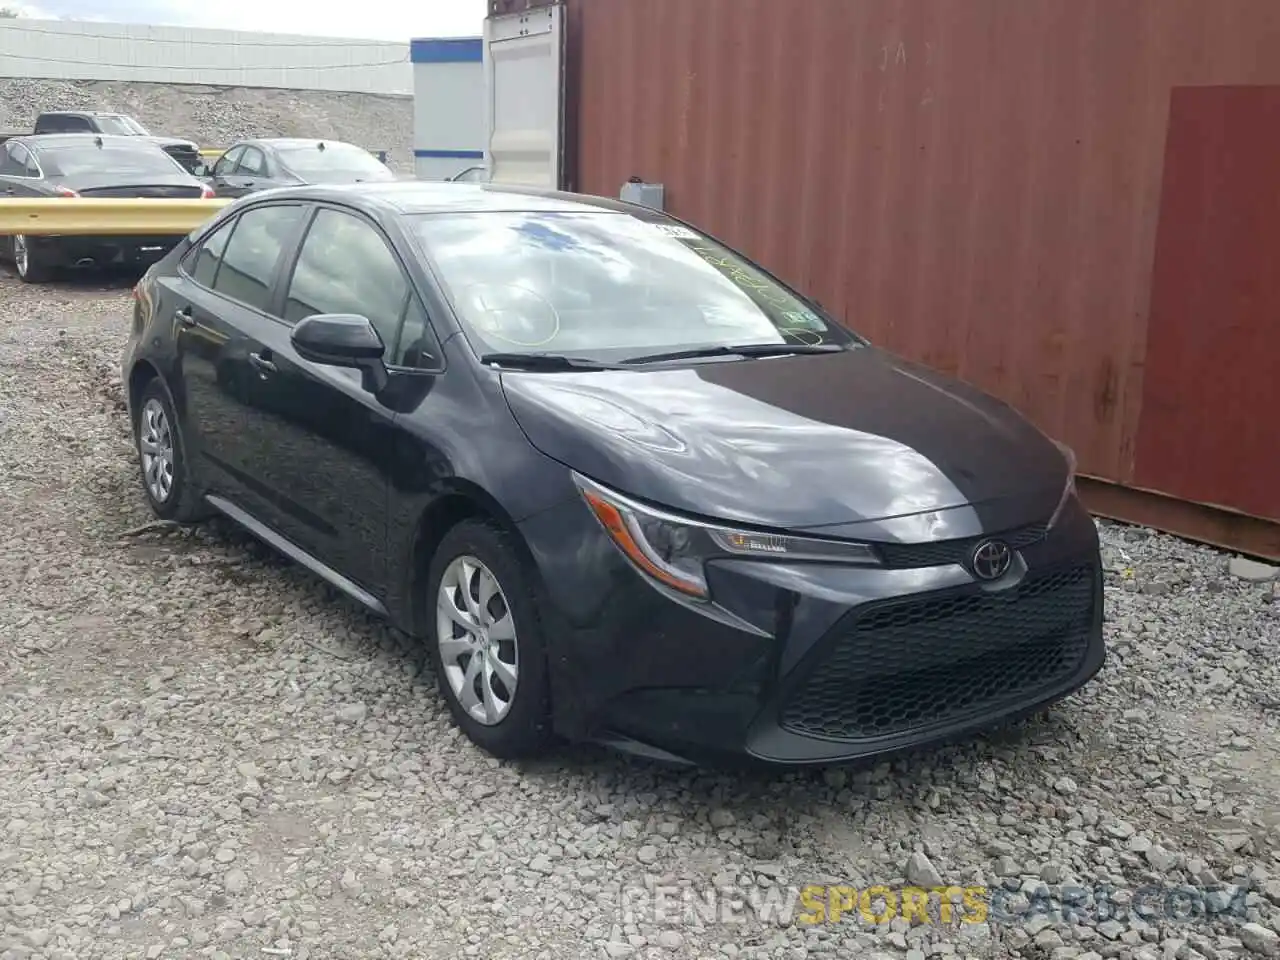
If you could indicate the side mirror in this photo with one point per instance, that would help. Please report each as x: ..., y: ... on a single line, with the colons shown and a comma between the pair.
x: 201, y: 170
x: 343, y: 340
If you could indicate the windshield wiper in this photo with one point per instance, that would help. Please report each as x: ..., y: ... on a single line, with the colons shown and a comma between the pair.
x: 543, y: 361
x: 742, y: 350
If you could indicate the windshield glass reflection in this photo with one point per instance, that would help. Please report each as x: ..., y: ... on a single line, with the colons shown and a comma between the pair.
x: 608, y: 285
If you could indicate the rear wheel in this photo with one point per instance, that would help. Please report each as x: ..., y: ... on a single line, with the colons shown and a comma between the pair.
x: 486, y: 641
x: 166, y: 473
x: 29, y: 263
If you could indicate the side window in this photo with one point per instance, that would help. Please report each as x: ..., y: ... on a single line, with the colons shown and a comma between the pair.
x: 346, y: 266
x: 252, y: 164
x: 9, y: 165
x: 20, y: 162
x: 31, y: 167
x: 251, y: 255
x: 227, y: 162
x: 205, y: 268
x: 417, y: 346
x: 64, y: 125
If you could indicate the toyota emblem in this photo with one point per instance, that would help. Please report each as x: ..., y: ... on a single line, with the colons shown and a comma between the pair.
x: 991, y: 559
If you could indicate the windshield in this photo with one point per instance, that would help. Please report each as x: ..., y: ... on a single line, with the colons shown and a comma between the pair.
x: 608, y: 286
x: 77, y: 160
x: 121, y: 125
x: 337, y: 161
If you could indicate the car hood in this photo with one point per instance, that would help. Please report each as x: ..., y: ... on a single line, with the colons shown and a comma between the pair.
x: 348, y: 176
x: 170, y: 142
x: 798, y: 442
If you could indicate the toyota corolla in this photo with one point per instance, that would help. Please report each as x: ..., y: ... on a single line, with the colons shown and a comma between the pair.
x: 628, y: 486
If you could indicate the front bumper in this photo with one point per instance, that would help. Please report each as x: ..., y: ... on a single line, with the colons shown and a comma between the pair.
x: 811, y: 664
x: 111, y: 251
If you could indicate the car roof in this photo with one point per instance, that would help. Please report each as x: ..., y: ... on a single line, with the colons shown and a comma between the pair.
x: 291, y: 142
x: 81, y: 113
x: 39, y: 140
x: 409, y: 197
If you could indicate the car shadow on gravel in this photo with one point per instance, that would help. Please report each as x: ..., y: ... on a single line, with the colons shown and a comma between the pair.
x: 236, y: 557
x: 94, y: 281
x: 705, y: 783
x: 840, y: 821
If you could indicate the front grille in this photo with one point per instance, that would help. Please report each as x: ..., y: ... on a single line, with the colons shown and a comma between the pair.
x: 184, y: 155
x: 933, y: 659
x: 899, y: 556
x: 181, y: 192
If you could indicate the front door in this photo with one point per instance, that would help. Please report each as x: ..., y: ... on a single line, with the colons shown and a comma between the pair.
x: 250, y: 174
x: 221, y: 179
x: 326, y: 438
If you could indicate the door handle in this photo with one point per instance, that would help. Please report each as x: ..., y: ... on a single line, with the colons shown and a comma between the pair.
x: 262, y: 364
x: 185, y: 317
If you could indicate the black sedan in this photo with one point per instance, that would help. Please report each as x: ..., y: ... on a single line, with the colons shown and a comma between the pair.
x: 253, y: 165
x: 627, y: 485
x: 89, y: 165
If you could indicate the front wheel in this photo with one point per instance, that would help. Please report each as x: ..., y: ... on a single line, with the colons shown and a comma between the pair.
x: 486, y: 641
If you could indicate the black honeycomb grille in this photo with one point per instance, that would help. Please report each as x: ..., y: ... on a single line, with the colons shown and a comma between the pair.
x: 931, y: 660
x: 901, y: 556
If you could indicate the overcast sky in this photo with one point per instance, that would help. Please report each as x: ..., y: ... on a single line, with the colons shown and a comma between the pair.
x: 374, y: 19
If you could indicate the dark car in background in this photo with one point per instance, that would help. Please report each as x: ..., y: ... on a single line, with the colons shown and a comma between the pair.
x: 253, y: 165
x: 186, y: 152
x: 89, y: 165
x: 627, y: 485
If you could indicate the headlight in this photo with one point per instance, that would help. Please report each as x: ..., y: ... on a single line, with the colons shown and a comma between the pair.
x: 673, y: 550
x: 1069, y: 490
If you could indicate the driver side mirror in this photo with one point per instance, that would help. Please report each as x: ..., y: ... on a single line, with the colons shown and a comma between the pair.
x: 202, y: 170
x: 343, y: 340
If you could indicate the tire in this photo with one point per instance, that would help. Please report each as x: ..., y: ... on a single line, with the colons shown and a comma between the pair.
x: 523, y: 729
x: 170, y: 490
x: 28, y: 263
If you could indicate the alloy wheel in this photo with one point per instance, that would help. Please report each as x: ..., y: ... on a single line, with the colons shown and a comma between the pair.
x: 155, y: 441
x: 479, y: 652
x: 21, y: 255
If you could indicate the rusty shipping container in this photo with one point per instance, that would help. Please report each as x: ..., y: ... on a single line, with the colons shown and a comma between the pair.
x: 1074, y: 204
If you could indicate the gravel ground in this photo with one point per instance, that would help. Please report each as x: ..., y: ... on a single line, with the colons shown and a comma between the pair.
x: 204, y: 753
x: 218, y: 116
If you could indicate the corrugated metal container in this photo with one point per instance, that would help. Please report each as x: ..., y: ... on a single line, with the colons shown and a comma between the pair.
x: 981, y: 185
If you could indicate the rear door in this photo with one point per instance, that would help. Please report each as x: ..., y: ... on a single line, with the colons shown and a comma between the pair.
x: 220, y: 300
x: 524, y: 104
x: 204, y: 384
